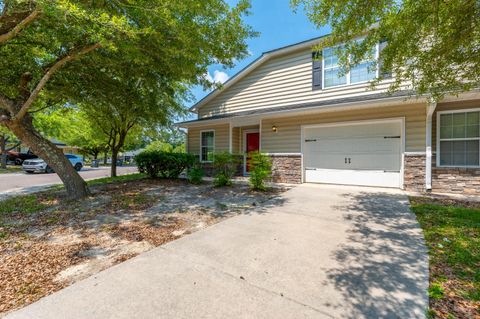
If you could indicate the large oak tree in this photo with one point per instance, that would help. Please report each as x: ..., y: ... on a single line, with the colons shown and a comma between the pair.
x: 48, y: 47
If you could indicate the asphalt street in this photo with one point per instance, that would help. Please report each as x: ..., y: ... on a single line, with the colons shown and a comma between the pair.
x: 23, y: 183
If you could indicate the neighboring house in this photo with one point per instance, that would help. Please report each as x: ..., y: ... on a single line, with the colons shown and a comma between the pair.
x: 129, y: 156
x: 66, y: 149
x: 320, y: 127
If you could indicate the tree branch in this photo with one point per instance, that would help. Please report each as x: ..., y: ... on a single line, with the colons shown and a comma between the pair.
x: 48, y: 74
x: 13, y: 147
x: 19, y: 27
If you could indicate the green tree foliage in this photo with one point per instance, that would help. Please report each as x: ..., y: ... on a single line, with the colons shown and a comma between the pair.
x: 159, y: 146
x: 432, y: 44
x: 71, y: 126
x: 108, y: 56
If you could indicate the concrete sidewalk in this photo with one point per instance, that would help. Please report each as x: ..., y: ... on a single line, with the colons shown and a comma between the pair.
x: 322, y: 252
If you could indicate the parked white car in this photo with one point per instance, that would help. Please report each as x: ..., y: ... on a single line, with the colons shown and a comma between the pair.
x: 38, y: 165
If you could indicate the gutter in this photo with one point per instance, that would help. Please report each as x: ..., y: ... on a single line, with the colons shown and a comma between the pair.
x: 431, y: 106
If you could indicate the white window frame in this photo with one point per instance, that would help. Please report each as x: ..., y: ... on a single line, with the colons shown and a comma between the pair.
x: 454, y: 139
x: 201, y: 146
x: 347, y: 75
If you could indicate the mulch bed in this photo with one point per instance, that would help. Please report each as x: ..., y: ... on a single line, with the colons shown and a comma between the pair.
x: 43, y: 235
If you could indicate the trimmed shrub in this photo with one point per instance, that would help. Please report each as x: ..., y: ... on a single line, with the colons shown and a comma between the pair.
x: 225, y: 166
x: 260, y: 170
x: 195, y: 174
x: 163, y: 164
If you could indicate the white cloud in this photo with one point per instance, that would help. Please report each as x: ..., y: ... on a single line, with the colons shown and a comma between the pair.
x: 218, y: 77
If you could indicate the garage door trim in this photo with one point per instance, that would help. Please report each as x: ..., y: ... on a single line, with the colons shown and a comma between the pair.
x: 397, y: 120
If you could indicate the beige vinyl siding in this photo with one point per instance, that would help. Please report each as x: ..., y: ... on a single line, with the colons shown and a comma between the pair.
x: 287, y: 139
x: 284, y: 80
x: 221, y: 138
x: 450, y: 106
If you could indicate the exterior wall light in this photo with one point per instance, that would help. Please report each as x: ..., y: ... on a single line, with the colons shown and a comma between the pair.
x: 274, y: 128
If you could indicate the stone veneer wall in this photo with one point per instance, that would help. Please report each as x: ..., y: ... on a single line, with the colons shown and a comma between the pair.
x: 444, y: 179
x: 414, y: 173
x: 456, y: 180
x: 286, y: 168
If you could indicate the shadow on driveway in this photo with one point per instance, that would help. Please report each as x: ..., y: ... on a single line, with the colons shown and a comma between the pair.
x: 384, y: 262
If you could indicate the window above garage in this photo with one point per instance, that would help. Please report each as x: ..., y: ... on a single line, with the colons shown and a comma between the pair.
x: 327, y: 73
x: 458, y: 139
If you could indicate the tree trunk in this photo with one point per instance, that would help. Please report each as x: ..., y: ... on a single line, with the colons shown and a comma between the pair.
x: 3, y: 147
x: 113, y: 169
x: 53, y: 156
x: 105, y: 158
x: 116, y: 147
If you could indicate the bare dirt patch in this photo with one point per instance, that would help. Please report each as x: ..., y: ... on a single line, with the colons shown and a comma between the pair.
x: 47, y: 243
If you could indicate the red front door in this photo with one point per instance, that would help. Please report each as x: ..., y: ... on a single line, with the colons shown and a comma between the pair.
x: 253, y: 145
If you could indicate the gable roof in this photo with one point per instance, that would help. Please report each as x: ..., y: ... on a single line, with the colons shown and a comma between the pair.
x: 253, y: 65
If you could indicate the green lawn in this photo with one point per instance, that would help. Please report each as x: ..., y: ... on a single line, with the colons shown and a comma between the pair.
x: 452, y: 234
x: 118, y: 179
x: 11, y: 169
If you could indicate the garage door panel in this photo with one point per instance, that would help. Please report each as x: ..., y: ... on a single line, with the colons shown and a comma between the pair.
x: 360, y: 154
x: 382, y: 161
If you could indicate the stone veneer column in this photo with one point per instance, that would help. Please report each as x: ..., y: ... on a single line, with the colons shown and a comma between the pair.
x: 414, y: 172
x: 286, y: 168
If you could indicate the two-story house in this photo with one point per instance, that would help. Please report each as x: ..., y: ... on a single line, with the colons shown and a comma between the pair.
x: 322, y: 126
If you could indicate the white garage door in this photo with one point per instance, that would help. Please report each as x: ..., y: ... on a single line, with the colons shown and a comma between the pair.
x: 367, y: 154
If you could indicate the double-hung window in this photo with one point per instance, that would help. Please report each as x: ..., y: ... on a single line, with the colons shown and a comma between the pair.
x: 332, y: 76
x: 459, y: 138
x: 207, y: 147
x: 331, y: 69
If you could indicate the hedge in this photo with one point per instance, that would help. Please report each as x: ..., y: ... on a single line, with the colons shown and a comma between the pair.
x: 164, y: 164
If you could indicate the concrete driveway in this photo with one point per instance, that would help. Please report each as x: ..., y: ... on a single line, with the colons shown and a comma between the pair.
x: 318, y: 252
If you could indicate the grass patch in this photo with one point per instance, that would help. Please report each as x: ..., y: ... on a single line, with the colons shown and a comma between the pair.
x: 11, y: 169
x: 452, y: 234
x: 27, y: 204
x: 118, y: 179
x: 106, y: 180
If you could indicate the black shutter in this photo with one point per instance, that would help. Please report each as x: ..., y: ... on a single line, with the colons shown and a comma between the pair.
x: 383, y: 73
x: 317, y: 70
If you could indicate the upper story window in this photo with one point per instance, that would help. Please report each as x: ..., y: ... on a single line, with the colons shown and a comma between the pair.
x: 207, y: 146
x: 327, y: 72
x: 459, y: 138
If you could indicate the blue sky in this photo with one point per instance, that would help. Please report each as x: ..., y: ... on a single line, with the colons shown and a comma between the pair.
x: 278, y: 26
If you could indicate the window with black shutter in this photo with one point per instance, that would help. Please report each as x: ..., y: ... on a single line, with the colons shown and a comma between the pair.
x: 317, y: 70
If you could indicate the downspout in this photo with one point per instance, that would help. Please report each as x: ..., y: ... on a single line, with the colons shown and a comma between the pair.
x: 431, y: 106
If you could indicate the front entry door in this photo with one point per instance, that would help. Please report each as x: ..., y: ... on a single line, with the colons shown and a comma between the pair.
x: 253, y: 145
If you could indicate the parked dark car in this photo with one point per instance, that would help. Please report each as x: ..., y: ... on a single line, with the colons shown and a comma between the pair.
x: 18, y: 158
